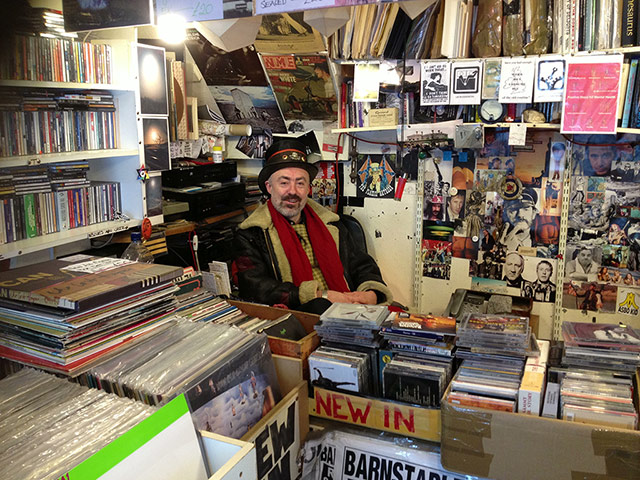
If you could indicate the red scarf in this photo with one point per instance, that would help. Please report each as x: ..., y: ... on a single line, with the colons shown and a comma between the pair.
x: 324, y: 248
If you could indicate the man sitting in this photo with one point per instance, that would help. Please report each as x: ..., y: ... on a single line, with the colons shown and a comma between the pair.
x: 295, y: 252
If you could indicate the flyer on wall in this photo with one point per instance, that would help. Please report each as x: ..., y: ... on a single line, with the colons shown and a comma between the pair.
x: 590, y: 102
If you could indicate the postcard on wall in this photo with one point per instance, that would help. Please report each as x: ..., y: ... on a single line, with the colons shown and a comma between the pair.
x: 366, y: 82
x: 85, y: 15
x: 465, y: 82
x: 549, y: 85
x: 303, y: 86
x: 434, y: 83
x: 491, y: 78
x: 156, y: 143
x: 287, y: 33
x: 516, y: 80
x: 590, y: 102
x: 152, y: 80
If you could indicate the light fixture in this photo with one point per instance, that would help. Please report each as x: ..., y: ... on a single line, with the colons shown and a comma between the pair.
x: 172, y: 28
x: 327, y: 20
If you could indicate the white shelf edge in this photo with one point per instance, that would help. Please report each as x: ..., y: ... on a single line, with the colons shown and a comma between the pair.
x: 44, y: 158
x: 30, y: 245
x: 363, y: 129
x: 64, y: 85
x: 628, y: 130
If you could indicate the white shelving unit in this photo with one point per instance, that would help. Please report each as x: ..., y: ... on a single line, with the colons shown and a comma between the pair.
x: 114, y: 165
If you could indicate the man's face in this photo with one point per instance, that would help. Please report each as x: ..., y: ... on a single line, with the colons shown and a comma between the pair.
x: 521, y: 213
x: 600, y: 159
x: 544, y: 272
x: 436, y: 208
x: 513, y: 266
x: 456, y: 204
x: 289, y: 188
x: 585, y: 257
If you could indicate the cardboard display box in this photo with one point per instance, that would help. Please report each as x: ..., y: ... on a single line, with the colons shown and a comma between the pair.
x: 512, y: 446
x: 280, y: 346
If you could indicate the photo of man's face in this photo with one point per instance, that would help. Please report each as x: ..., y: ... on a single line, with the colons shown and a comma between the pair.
x: 600, y: 159
x: 456, y: 203
x: 544, y: 272
x: 513, y: 266
x: 519, y: 212
x: 585, y: 257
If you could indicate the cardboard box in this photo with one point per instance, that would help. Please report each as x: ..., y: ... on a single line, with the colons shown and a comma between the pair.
x: 280, y: 346
x: 512, y: 446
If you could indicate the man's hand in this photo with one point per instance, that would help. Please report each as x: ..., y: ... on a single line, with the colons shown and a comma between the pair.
x: 367, y: 298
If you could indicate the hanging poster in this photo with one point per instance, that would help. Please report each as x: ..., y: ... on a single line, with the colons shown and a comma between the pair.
x: 465, y: 82
x: 287, y: 33
x: 590, y: 103
x: 86, y: 15
x: 323, y: 187
x: 199, y: 10
x: 255, y: 106
x: 376, y: 175
x: 264, y: 7
x: 436, y: 259
x: 152, y: 80
x: 303, y: 86
x: 516, y: 80
x: 549, y: 85
x: 434, y: 83
x: 156, y: 143
x: 491, y: 78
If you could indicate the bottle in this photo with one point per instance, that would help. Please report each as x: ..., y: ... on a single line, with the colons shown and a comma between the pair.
x: 136, y: 251
x: 217, y: 154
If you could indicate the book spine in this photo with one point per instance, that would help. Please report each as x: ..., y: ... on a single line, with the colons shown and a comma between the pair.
x: 629, y: 23
x: 633, y: 68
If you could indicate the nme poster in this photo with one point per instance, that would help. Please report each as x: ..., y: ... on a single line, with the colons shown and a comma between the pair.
x: 434, y: 83
x: 303, y: 86
x: 376, y: 175
x: 516, y: 80
x: 590, y: 102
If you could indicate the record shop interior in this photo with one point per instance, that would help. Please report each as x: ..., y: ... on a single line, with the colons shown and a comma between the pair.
x: 319, y: 240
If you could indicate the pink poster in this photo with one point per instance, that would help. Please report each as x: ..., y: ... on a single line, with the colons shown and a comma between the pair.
x: 591, y: 94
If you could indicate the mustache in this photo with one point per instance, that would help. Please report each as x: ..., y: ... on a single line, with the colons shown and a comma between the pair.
x: 292, y: 197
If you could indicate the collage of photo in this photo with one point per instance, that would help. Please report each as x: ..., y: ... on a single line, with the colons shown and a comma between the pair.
x: 502, y: 205
x: 603, y: 248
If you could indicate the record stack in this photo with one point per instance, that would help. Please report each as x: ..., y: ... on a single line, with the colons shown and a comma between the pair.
x: 494, y: 349
x: 598, y: 397
x: 350, y: 334
x: 422, y: 362
x: 601, y: 346
x: 50, y: 425
x: 227, y: 375
x: 67, y: 313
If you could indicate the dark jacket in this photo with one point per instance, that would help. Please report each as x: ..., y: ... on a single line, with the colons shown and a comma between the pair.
x: 263, y: 271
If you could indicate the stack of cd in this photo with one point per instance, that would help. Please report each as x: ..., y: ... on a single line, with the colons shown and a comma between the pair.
x: 487, y: 383
x: 420, y: 382
x: 352, y: 324
x: 337, y: 368
x: 495, y: 335
x: 420, y: 336
x: 599, y: 398
x: 601, y: 346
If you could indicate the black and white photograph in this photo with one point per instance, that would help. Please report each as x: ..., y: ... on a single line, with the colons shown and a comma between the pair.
x: 237, y: 8
x: 82, y: 15
x: 156, y: 143
x: 583, y: 261
x: 153, y: 80
x: 434, y: 83
x: 518, y: 220
x: 539, y: 279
